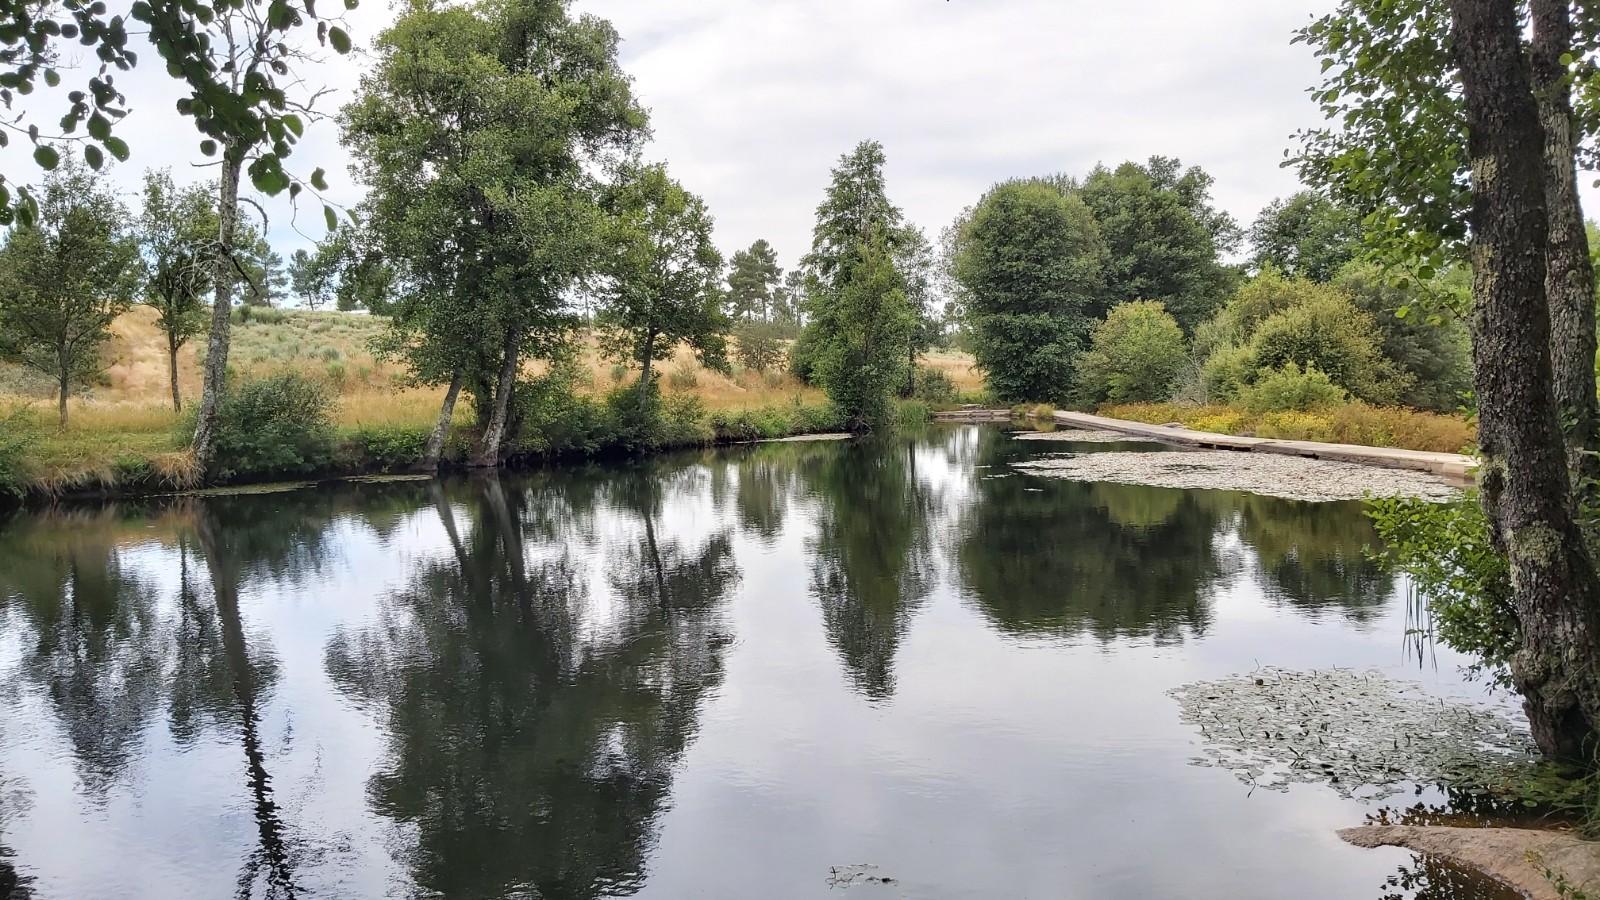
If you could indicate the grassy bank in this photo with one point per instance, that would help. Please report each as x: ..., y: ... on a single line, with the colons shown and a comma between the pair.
x: 1346, y: 423
x: 124, y: 436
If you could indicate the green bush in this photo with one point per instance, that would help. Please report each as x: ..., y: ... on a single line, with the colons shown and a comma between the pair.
x: 280, y: 425
x: 803, y: 356
x: 683, y: 377
x: 1135, y: 356
x: 934, y: 387
x: 17, y: 431
x: 912, y: 413
x: 1291, y: 388
x: 682, y: 422
x: 554, y: 420
x: 385, y: 448
x: 1225, y: 372
x: 1329, y: 334
x: 1454, y: 568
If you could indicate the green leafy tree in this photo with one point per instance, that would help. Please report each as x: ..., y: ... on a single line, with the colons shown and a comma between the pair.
x: 754, y: 280
x: 1433, y: 350
x: 1162, y: 236
x: 757, y: 345
x: 175, y: 230
x: 1305, y: 235
x: 487, y: 215
x: 1030, y: 264
x: 1135, y: 355
x: 310, y: 278
x: 1328, y: 333
x: 65, y: 279
x: 863, y: 326
x: 859, y: 334
x: 662, y: 274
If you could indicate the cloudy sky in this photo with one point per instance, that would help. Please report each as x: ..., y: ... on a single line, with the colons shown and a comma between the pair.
x: 752, y: 101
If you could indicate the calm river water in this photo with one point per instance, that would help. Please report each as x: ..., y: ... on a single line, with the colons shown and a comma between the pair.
x: 744, y: 673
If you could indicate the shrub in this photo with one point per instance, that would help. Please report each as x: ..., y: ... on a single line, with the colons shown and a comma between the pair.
x: 682, y: 422
x: 1220, y: 423
x: 1454, y: 568
x: 933, y: 386
x: 16, y: 434
x: 337, y: 376
x: 1134, y: 356
x: 684, y: 377
x: 803, y: 356
x: 756, y: 345
x: 280, y: 425
x: 1225, y: 372
x: 912, y: 413
x: 553, y: 419
x: 385, y: 448
x: 1291, y: 388
x: 1329, y: 334
x: 618, y: 372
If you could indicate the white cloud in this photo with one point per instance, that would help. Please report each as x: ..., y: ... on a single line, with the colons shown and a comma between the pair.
x: 753, y: 102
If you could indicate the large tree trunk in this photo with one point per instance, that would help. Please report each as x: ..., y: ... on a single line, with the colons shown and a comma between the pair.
x: 216, y: 370
x: 1523, y: 474
x: 441, y: 428
x: 172, y: 370
x: 494, y: 433
x: 1569, y: 275
x: 648, y: 355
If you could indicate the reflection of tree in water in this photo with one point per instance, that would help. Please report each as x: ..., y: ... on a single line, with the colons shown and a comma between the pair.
x: 872, y: 553
x: 95, y: 646
x: 1046, y: 556
x: 1315, y: 554
x: 532, y: 729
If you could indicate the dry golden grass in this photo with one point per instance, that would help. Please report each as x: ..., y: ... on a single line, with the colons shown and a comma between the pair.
x: 1347, y: 423
x: 128, y: 415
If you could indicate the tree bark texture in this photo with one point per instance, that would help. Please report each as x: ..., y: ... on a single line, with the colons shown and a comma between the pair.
x: 1525, y: 486
x: 216, y: 370
x: 494, y: 433
x: 1569, y: 274
x: 441, y: 428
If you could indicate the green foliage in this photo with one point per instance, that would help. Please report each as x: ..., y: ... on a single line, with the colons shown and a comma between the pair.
x: 803, y: 356
x: 864, y: 325
x: 1329, y: 334
x: 1454, y: 568
x: 1163, y: 237
x: 1305, y: 236
x: 1135, y: 355
x: 861, y: 335
x: 176, y: 229
x: 754, y: 284
x: 1290, y: 387
x: 1226, y: 371
x: 756, y: 345
x: 769, y: 422
x: 489, y: 215
x: 65, y: 279
x: 280, y: 425
x: 1434, y: 350
x: 662, y: 277
x: 934, y: 387
x: 1029, y: 260
x: 384, y: 448
x: 17, y: 433
x: 912, y: 413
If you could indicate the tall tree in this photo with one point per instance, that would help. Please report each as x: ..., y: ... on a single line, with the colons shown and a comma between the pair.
x: 662, y: 275
x: 860, y: 317
x: 1306, y: 235
x: 754, y: 279
x: 65, y: 279
x: 1162, y: 237
x: 176, y: 227
x: 310, y: 278
x: 478, y: 129
x: 1029, y: 263
x: 1525, y: 486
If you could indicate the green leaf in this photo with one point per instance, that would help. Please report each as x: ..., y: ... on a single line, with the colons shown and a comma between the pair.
x: 51, y: 77
x: 118, y: 148
x: 339, y: 40
x: 93, y: 156
x: 208, y: 147
x: 294, y: 124
x: 46, y: 156
x: 329, y: 216
x: 319, y: 180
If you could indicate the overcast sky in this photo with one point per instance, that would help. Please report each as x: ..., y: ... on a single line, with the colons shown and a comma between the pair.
x: 753, y: 101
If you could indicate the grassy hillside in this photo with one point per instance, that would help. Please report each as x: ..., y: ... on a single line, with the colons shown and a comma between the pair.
x: 128, y: 415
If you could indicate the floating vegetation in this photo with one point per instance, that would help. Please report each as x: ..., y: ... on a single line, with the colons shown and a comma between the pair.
x: 1361, y: 733
x: 1085, y: 436
x: 1268, y: 474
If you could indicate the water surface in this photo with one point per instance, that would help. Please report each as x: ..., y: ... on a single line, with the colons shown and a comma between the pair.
x: 725, y: 674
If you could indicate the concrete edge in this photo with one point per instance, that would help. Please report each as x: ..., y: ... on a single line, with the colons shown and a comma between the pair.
x: 1455, y: 466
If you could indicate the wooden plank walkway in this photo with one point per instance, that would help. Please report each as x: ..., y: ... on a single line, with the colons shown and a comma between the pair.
x: 1451, y: 465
